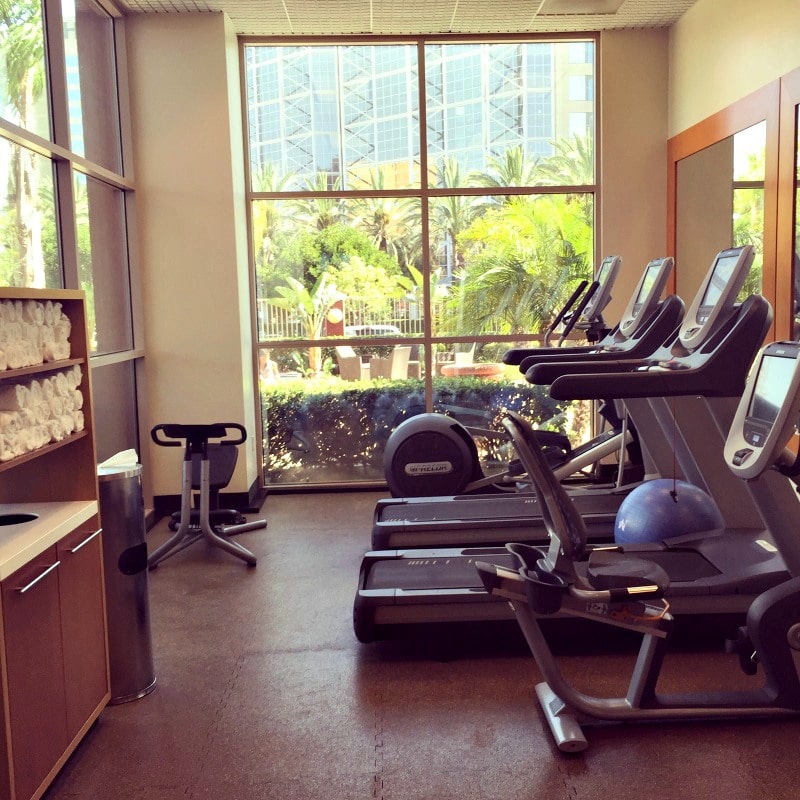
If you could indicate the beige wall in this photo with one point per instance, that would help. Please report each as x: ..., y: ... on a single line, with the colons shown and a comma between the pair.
x: 722, y: 50
x: 186, y: 129
x: 633, y: 136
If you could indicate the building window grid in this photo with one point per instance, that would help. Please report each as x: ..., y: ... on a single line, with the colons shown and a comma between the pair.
x: 525, y: 116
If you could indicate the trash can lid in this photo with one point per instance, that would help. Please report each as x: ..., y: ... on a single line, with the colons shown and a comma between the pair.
x: 118, y: 472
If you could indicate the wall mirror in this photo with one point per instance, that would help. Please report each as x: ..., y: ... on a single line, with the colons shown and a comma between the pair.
x: 722, y: 193
x: 796, y: 236
x: 720, y: 203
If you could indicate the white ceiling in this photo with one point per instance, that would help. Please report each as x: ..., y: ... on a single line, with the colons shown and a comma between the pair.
x: 393, y: 17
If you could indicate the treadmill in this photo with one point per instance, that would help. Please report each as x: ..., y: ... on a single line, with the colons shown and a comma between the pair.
x: 644, y: 326
x: 715, y: 572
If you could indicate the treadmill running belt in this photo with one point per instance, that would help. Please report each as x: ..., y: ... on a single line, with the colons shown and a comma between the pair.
x: 492, y: 507
x: 459, y: 572
x: 432, y: 573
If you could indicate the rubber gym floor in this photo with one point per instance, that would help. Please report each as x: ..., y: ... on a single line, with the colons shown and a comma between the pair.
x: 264, y: 692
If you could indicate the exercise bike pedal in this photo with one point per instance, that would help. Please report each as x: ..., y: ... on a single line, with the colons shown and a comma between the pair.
x: 742, y: 647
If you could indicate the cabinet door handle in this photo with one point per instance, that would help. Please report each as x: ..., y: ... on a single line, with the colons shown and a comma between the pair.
x: 36, y: 580
x: 85, y: 541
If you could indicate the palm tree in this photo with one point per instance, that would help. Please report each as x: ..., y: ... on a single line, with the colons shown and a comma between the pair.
x: 317, y: 213
x: 519, y: 268
x: 572, y: 163
x: 23, y: 51
x: 450, y: 214
x: 513, y: 168
x: 388, y: 220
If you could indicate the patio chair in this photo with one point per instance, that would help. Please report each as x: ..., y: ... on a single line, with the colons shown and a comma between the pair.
x: 351, y: 367
x: 393, y: 367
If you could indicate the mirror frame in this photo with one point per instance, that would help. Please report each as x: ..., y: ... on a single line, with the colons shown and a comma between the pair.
x: 762, y: 105
x: 787, y: 184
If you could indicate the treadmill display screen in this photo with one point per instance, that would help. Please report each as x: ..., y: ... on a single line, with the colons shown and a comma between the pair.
x: 647, y: 284
x: 772, y: 385
x: 602, y: 275
x: 723, y: 270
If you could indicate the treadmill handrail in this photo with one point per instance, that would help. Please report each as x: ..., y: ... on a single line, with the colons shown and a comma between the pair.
x: 718, y: 369
x: 661, y: 327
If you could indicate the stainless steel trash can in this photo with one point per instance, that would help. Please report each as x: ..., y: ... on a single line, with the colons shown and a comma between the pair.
x: 130, y: 647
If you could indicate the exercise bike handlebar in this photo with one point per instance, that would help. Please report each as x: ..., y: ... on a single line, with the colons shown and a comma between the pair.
x: 196, y: 436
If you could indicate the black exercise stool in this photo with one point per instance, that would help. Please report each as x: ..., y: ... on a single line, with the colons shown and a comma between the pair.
x: 207, y: 467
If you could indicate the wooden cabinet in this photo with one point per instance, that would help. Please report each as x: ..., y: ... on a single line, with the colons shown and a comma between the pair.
x: 35, y: 676
x: 83, y: 626
x: 53, y: 643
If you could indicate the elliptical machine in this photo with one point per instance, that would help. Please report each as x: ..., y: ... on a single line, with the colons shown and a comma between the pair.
x: 620, y: 587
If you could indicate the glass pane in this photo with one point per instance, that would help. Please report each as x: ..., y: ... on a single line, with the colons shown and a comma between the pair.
x: 333, y: 117
x: 91, y: 83
x: 506, y: 265
x: 510, y: 114
x: 333, y: 267
x: 332, y: 426
x: 23, y: 76
x: 115, y: 416
x: 103, y: 260
x: 29, y: 253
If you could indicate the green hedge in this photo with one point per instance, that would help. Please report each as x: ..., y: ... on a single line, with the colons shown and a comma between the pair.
x: 345, y: 425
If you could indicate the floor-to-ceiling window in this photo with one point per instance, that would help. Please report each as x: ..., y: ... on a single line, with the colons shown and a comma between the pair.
x: 416, y: 208
x: 64, y: 204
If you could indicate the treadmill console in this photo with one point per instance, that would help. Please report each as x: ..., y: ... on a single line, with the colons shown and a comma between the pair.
x: 716, y: 294
x: 606, y: 275
x: 767, y: 414
x: 646, y: 295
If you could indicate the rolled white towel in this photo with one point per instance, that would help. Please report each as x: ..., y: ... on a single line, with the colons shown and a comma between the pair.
x: 33, y: 353
x: 4, y: 312
x: 56, y: 351
x: 9, y: 311
x: 62, y: 328
x: 15, y: 355
x: 27, y: 417
x: 5, y: 334
x: 61, y: 385
x: 14, y: 397
x: 40, y: 436
x: 78, y: 397
x: 33, y: 312
x: 6, y: 450
x: 56, y: 405
x: 56, y: 430
x: 48, y: 388
x: 37, y: 395
x: 22, y: 442
x: 68, y: 423
x: 74, y: 376
x: 50, y: 313
x: 69, y: 403
x: 10, y: 422
x: 42, y: 412
x: 79, y: 420
x: 3, y: 359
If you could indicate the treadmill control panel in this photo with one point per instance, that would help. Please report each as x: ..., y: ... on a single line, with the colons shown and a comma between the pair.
x: 716, y: 295
x: 767, y: 415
